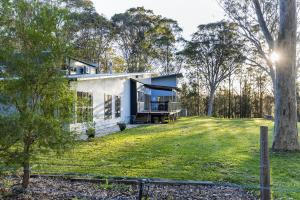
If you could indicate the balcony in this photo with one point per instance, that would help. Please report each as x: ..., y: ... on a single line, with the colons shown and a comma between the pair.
x: 158, y: 107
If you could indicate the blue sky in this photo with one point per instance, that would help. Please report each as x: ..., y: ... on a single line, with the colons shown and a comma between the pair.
x: 188, y: 13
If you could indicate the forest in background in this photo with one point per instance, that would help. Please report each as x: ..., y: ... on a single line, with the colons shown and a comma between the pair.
x: 138, y: 40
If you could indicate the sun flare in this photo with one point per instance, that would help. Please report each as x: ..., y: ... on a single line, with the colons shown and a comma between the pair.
x: 274, y: 57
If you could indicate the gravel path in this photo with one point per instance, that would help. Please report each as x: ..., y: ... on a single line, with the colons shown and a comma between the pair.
x: 56, y: 189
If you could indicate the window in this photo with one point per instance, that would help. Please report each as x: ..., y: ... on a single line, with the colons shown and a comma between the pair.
x: 84, y: 107
x: 107, y: 106
x: 117, y: 106
x: 141, y: 96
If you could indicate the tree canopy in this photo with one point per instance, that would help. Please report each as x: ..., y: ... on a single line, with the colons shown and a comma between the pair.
x: 144, y: 38
x: 214, y: 53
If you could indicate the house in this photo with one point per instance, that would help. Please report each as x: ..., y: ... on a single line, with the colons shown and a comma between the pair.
x: 105, y: 99
x: 127, y: 97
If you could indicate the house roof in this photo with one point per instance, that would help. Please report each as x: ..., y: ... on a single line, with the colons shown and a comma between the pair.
x: 161, y: 87
x: 157, y: 87
x: 79, y: 77
x: 177, y: 75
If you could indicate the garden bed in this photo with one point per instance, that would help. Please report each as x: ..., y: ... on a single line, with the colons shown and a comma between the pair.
x: 60, y: 188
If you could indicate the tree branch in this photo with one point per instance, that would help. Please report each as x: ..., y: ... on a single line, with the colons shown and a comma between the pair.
x: 262, y: 24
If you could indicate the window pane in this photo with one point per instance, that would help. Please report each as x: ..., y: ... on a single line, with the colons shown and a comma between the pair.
x: 84, y: 107
x: 118, y: 107
x: 107, y: 106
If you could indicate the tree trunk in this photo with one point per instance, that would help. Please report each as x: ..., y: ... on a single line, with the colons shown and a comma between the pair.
x: 229, y: 97
x: 260, y: 98
x: 26, y: 174
x: 210, y: 102
x: 286, y: 133
x: 26, y: 166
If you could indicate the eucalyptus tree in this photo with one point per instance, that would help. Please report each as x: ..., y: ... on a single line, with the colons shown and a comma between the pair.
x: 260, y: 51
x: 93, y: 33
x: 36, y: 101
x: 166, y: 38
x: 94, y: 37
x: 286, y: 131
x: 213, y: 54
x: 145, y: 38
x: 133, y: 28
x: 271, y: 28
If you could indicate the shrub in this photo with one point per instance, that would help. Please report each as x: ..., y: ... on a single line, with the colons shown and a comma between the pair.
x: 91, y: 132
x: 122, y: 126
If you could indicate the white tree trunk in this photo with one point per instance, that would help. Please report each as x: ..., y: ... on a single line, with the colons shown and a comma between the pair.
x: 286, y: 132
x: 210, y: 102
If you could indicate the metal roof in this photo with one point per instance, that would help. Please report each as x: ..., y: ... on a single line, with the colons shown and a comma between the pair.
x: 178, y: 75
x: 161, y: 87
x: 78, y: 77
x: 157, y: 87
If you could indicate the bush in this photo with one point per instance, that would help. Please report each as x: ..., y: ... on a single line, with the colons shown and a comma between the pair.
x: 122, y: 126
x: 91, y: 132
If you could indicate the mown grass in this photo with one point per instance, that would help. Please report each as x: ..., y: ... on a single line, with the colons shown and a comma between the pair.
x: 222, y: 150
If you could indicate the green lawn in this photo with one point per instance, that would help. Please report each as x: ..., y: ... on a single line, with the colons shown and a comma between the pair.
x: 219, y: 150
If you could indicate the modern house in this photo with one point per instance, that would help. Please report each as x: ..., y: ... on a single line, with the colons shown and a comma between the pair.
x: 127, y: 97
x: 105, y: 99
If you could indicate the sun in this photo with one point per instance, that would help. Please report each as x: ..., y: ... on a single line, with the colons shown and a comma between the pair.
x: 274, y: 56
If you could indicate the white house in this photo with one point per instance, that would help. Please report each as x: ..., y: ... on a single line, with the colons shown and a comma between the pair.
x: 113, y: 98
x: 108, y: 99
x: 104, y: 99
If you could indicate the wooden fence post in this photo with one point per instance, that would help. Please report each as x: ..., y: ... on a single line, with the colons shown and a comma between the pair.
x: 265, y: 190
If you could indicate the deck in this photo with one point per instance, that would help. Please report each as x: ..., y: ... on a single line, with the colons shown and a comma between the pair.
x: 156, y: 116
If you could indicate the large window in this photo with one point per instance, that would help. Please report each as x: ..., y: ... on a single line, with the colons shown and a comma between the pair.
x: 117, y: 106
x: 84, y: 107
x: 107, y: 106
x: 141, y: 96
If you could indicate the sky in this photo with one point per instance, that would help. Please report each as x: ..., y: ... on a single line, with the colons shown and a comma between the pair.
x: 188, y: 13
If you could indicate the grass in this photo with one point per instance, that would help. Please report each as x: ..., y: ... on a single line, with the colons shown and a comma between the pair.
x: 207, y: 149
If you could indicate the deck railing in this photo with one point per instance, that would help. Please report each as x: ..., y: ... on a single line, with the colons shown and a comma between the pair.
x: 158, y: 106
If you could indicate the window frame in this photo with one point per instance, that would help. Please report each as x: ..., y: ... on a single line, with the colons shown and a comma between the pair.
x: 108, y: 103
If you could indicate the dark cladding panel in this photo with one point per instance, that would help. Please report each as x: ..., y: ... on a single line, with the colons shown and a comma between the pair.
x: 133, y: 98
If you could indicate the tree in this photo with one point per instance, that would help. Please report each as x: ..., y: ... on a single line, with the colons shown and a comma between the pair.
x: 267, y: 33
x: 214, y: 53
x: 166, y: 35
x: 286, y: 132
x: 145, y: 38
x: 35, y: 97
x: 259, y: 50
x: 93, y: 35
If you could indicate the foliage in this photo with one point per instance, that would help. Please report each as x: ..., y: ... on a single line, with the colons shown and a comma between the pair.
x: 91, y: 132
x: 245, y: 17
x: 214, y: 53
x: 35, y: 96
x: 93, y: 36
x: 247, y: 95
x: 144, y: 37
x: 122, y: 126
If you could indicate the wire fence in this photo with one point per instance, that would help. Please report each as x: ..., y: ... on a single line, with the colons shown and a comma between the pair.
x: 52, y: 171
